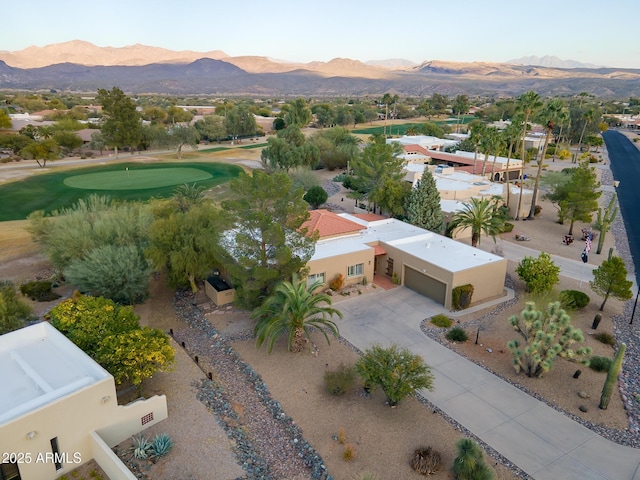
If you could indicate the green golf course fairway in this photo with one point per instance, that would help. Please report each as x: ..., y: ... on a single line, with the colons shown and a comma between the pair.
x: 136, y: 179
x: 61, y: 189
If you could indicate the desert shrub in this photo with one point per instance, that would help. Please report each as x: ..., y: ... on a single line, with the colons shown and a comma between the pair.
x: 605, y: 338
x: 441, y: 321
x: 141, y: 447
x: 574, y: 299
x: 342, y: 436
x: 470, y: 464
x: 161, y: 445
x: 461, y: 296
x: 540, y: 274
x: 426, y: 460
x: 600, y: 364
x: 508, y: 227
x: 537, y: 209
x: 457, y: 334
x: 337, y: 283
x: 316, y: 196
x: 14, y: 312
x: 339, y: 381
x: 349, y: 453
x: 39, y: 291
x: 395, y: 279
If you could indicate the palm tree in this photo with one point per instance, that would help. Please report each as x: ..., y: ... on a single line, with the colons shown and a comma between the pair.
x: 490, y: 144
x: 498, y: 142
x: 294, y: 309
x: 478, y: 132
x: 386, y: 98
x: 550, y: 115
x: 511, y: 135
x: 588, y: 117
x: 480, y: 216
x: 527, y: 104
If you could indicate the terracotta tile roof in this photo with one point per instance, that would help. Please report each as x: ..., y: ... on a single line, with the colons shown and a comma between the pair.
x: 378, y: 250
x: 328, y: 224
x: 369, y: 217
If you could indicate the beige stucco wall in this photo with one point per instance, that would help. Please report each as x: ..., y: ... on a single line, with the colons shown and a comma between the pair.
x: 487, y: 280
x: 71, y: 419
x: 333, y: 266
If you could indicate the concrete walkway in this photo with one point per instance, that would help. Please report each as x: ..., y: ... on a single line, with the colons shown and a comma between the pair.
x: 535, y: 437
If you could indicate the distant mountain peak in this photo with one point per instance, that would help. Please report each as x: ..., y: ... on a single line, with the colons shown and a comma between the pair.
x: 391, y: 63
x: 551, y: 61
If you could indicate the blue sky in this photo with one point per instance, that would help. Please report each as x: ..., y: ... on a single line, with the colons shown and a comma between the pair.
x: 590, y: 31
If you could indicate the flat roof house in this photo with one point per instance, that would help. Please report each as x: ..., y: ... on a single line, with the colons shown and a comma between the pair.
x: 58, y: 408
x: 361, y: 246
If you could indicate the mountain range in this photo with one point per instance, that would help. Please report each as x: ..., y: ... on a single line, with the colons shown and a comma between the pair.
x: 83, y: 67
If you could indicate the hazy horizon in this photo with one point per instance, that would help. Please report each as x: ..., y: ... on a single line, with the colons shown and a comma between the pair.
x: 417, y: 30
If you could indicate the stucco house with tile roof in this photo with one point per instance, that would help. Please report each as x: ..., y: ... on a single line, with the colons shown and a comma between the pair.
x: 421, y: 260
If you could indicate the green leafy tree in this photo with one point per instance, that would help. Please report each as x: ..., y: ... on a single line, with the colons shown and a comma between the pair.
x: 480, y: 215
x: 610, y: 279
x: 135, y: 355
x: 315, y: 196
x: 239, y: 121
x: 121, y: 121
x: 5, y: 119
x: 604, y: 220
x: 337, y: 147
x: 14, y: 313
x: 97, y: 141
x: 118, y: 272
x: 72, y: 233
x: 289, y: 149
x: 186, y: 243
x: 549, y: 116
x: 211, y: 127
x: 266, y: 241
x: 460, y: 104
x: 378, y: 162
x: 293, y: 309
x: 398, y: 371
x: 588, y: 117
x: 423, y: 204
x: 154, y: 114
x: 111, y: 335
x: 41, y: 151
x: 577, y: 198
x: 177, y: 115
x: 299, y: 113
x: 539, y: 274
x: 87, y: 320
x: 392, y: 196
x: 181, y: 136
x: 546, y: 336
x: 469, y: 464
x: 69, y: 141
x: 432, y: 129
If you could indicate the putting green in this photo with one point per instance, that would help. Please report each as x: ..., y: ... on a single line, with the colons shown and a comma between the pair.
x: 136, y: 179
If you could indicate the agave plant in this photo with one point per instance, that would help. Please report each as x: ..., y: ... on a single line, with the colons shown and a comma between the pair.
x: 161, y: 445
x: 141, y: 447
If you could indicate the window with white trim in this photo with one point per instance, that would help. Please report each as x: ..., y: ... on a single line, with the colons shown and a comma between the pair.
x: 315, y: 277
x: 355, y: 270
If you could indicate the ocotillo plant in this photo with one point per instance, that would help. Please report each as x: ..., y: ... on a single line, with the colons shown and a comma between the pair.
x: 604, y: 221
x: 612, y: 377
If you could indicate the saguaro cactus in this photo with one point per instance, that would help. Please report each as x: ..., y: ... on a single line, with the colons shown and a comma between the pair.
x: 604, y: 221
x: 612, y: 377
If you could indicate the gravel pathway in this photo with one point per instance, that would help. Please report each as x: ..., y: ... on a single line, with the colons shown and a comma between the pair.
x: 267, y: 442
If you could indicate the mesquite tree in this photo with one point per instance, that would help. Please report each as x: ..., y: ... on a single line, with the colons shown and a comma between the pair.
x: 612, y: 377
x: 547, y: 336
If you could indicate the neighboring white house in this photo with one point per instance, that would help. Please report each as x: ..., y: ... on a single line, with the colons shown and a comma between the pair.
x: 58, y: 408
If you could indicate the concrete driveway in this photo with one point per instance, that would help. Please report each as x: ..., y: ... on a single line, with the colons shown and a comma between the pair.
x: 538, y: 439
